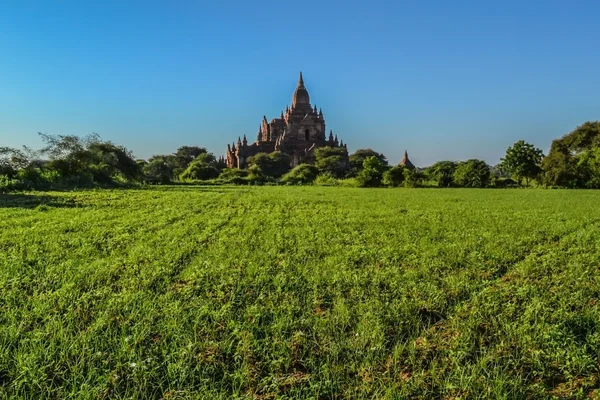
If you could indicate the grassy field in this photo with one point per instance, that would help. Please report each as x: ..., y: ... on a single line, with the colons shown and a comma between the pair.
x: 285, y: 292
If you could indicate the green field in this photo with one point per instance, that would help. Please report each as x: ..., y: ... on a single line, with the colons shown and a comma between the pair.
x: 300, y: 292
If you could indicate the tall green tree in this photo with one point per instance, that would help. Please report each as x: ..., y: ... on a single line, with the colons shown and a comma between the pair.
x: 570, y: 162
x: 89, y: 159
x: 332, y: 160
x: 203, y: 167
x: 442, y: 172
x: 158, y: 170
x: 273, y: 165
x: 523, y: 161
x: 357, y: 159
x: 372, y: 172
x: 472, y: 173
x: 394, y: 176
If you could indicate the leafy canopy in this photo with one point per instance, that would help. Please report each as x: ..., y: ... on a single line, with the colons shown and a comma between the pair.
x: 472, y: 173
x: 523, y: 161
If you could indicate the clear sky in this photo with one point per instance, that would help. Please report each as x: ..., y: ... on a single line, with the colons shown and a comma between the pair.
x: 443, y: 79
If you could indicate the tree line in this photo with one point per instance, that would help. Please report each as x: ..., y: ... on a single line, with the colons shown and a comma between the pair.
x: 79, y: 162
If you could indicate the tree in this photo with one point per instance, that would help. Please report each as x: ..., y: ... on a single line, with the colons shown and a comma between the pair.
x: 523, y: 161
x: 442, y: 172
x: 472, y: 173
x: 570, y: 162
x: 371, y: 173
x: 358, y: 157
x: 412, y: 177
x: 85, y: 160
x: 301, y: 174
x: 203, y: 167
x: 394, y: 176
x: 332, y: 160
x: 273, y: 164
x: 158, y: 170
x: 11, y: 160
x: 184, y: 156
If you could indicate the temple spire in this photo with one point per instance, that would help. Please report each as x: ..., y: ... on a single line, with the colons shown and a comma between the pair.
x: 406, y: 162
x: 300, y: 80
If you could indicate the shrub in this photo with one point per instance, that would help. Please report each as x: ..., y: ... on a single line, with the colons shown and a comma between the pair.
x: 325, y: 180
x: 301, y: 174
x: 394, y: 176
x: 234, y: 176
x: 472, y: 173
x: 372, y: 172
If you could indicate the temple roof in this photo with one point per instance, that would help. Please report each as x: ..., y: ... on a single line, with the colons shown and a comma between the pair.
x: 406, y: 162
x: 300, y: 94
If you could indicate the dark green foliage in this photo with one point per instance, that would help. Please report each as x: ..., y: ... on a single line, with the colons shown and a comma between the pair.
x: 523, y: 161
x: 574, y: 159
x: 301, y: 174
x: 357, y: 158
x: 89, y: 160
x: 472, y: 173
x: 183, y: 157
x: 413, y: 178
x: 372, y: 172
x: 158, y: 170
x: 332, y: 160
x: 442, y: 173
x: 503, y: 182
x: 234, y: 176
x: 273, y: 165
x: 394, y: 176
x: 202, y: 168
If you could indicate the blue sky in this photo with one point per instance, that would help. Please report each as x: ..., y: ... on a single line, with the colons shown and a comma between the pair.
x: 445, y: 80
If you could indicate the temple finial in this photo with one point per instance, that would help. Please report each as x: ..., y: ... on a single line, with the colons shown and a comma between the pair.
x: 300, y: 80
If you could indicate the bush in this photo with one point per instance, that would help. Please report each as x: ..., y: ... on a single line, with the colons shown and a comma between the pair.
x: 202, y: 168
x: 503, y: 183
x: 325, y: 180
x: 301, y: 174
x: 394, y: 176
x: 372, y: 172
x: 472, y: 173
x: 412, y: 178
x: 234, y: 176
x: 348, y: 182
x: 274, y: 164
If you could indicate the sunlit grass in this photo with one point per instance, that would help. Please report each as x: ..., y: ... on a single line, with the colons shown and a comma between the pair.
x: 299, y: 292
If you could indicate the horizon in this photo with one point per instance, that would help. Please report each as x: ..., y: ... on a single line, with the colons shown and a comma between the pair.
x: 464, y: 81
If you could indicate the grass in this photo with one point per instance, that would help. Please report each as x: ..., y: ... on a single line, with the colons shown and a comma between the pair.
x: 300, y: 292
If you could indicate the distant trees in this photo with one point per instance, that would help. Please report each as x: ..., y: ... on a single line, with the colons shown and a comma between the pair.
x: 202, y: 167
x: 158, y: 170
x: 394, y: 176
x: 472, y: 173
x: 372, y: 172
x: 273, y: 165
x: 356, y: 160
x: 574, y: 159
x: 332, y: 160
x: 523, y: 161
x: 74, y: 161
x: 89, y: 160
x: 301, y: 174
x: 184, y: 156
x: 442, y: 173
